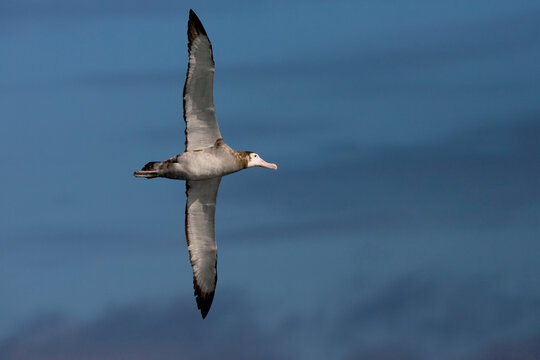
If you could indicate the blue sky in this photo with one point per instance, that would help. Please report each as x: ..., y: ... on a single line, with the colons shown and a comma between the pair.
x: 403, y: 222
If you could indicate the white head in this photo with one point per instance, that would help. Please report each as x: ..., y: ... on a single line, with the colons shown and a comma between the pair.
x: 255, y: 160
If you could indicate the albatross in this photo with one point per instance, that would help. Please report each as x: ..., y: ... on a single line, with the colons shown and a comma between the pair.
x: 205, y: 160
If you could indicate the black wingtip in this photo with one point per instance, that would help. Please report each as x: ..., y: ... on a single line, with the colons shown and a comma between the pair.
x: 195, y: 25
x: 204, y: 301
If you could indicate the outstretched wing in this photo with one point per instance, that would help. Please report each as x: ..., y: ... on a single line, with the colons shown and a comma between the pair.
x: 201, y: 238
x: 202, y: 129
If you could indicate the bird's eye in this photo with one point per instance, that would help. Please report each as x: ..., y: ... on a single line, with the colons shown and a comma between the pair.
x: 255, y: 155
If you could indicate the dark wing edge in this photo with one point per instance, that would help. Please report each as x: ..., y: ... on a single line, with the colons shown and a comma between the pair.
x: 195, y: 29
x: 204, y: 299
x: 202, y: 192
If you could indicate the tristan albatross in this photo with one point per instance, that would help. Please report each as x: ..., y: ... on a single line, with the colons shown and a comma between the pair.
x: 205, y: 160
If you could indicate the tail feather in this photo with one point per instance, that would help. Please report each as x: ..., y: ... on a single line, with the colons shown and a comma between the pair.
x: 149, y: 170
x: 152, y: 165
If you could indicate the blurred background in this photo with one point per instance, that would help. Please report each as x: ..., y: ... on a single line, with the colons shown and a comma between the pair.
x: 403, y: 222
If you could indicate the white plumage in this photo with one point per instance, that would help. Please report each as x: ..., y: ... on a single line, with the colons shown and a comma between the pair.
x: 206, y: 159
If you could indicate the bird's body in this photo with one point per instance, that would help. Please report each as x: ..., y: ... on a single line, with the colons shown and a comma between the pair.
x: 206, y: 159
x: 218, y: 160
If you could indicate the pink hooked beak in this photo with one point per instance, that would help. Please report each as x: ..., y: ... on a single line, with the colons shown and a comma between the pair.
x: 267, y: 165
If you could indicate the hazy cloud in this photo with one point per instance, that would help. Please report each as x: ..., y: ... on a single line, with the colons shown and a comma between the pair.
x: 526, y: 348
x: 172, y: 330
x: 417, y: 316
x: 436, y: 314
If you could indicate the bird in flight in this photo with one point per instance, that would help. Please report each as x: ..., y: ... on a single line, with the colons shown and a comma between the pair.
x: 205, y: 160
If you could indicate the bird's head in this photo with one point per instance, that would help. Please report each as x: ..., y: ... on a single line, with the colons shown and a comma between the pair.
x: 255, y: 160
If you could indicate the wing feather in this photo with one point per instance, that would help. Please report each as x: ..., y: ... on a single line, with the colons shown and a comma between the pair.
x: 201, y: 238
x: 202, y: 129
